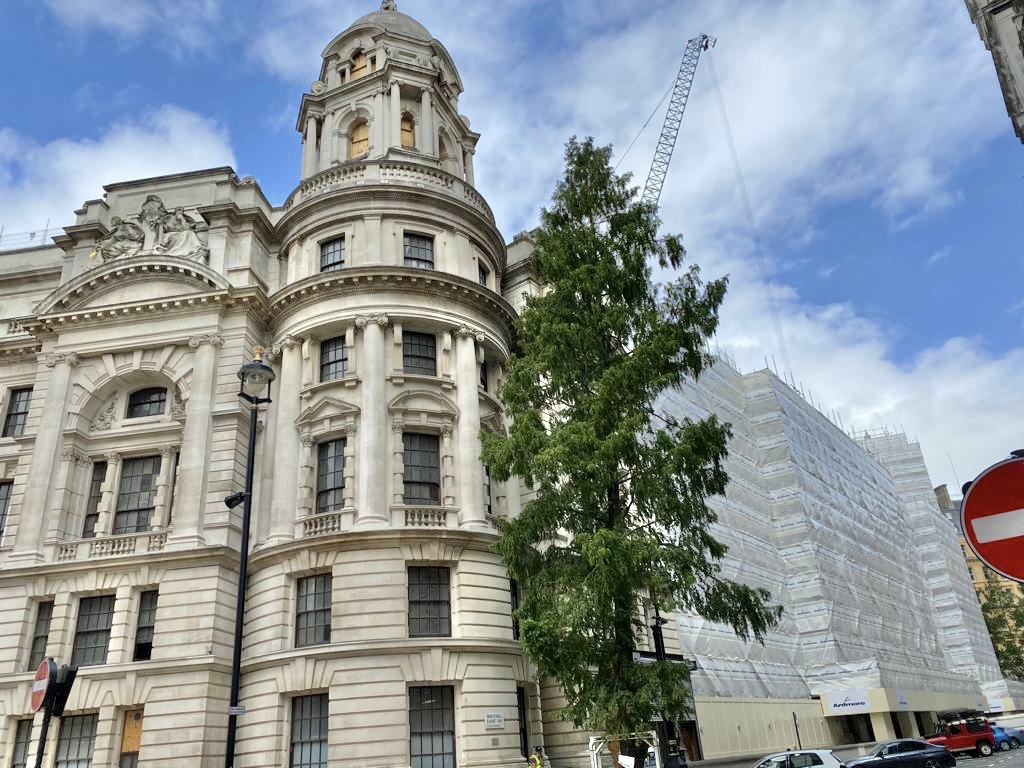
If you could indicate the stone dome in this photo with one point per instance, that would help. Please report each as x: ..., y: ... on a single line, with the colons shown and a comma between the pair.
x: 391, y: 20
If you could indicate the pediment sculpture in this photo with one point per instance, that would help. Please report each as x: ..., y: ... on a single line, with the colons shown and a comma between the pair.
x: 158, y: 231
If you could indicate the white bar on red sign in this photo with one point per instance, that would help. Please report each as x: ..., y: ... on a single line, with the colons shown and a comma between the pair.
x: 1005, y: 525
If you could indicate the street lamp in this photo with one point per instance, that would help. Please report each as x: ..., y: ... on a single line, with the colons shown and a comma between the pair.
x: 255, y: 377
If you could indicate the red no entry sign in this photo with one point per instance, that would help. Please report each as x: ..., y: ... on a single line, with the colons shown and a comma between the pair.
x: 45, y: 675
x: 992, y: 516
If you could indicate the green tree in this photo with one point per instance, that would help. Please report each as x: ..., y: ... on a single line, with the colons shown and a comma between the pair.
x: 1004, y: 616
x: 619, y: 510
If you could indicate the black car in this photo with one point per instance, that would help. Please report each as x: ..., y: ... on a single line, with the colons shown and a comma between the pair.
x: 905, y: 753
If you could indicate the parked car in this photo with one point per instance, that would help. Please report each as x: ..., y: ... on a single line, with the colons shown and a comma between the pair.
x: 905, y: 753
x: 964, y: 731
x: 1003, y: 741
x: 1016, y: 736
x: 801, y: 758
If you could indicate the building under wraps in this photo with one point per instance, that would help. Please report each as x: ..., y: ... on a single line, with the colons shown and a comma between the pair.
x: 379, y: 626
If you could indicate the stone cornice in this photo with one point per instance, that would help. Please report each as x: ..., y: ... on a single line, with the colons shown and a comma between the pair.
x: 359, y: 279
x: 230, y: 211
x: 220, y: 555
x: 363, y: 539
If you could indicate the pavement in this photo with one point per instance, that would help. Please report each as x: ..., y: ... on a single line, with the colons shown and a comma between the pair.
x: 1012, y: 759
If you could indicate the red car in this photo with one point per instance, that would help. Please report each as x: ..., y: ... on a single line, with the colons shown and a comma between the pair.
x: 964, y: 731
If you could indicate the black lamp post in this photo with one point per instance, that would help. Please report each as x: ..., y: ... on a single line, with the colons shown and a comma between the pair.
x: 255, y: 377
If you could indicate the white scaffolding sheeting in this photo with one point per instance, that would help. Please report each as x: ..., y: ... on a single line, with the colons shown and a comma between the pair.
x: 819, y: 522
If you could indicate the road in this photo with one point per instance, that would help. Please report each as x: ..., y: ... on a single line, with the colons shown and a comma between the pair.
x: 1012, y: 759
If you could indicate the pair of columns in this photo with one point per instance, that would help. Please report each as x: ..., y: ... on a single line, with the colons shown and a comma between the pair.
x: 332, y: 145
x: 371, y: 444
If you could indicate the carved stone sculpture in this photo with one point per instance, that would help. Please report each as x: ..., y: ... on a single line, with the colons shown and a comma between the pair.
x: 125, y: 239
x: 176, y: 236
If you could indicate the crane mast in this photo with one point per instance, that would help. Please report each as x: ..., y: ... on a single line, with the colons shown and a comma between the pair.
x: 676, y: 105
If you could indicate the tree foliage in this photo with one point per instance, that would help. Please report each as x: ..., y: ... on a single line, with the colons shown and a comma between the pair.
x: 1003, y: 610
x: 619, y: 510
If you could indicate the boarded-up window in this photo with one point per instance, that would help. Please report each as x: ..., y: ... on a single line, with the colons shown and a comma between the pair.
x: 359, y: 139
x: 408, y: 134
x: 360, y: 66
x: 131, y: 739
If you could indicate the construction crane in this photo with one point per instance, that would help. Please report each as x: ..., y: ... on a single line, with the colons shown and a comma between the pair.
x: 674, y: 116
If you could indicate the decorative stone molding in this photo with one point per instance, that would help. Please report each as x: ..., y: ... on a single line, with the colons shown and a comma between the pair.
x: 105, y: 418
x: 446, y: 430
x: 71, y: 453
x: 167, y: 451
x: 71, y: 358
x: 308, y: 440
x: 285, y: 342
x: 465, y: 330
x: 213, y: 339
x: 113, y: 458
x: 364, y: 320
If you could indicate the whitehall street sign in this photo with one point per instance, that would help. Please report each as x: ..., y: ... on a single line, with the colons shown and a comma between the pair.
x: 45, y: 675
x: 992, y: 517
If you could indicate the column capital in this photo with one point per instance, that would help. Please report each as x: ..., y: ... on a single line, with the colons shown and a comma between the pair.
x: 167, y: 451
x: 364, y: 320
x: 213, y: 339
x: 70, y: 453
x: 464, y: 331
x: 113, y: 458
x: 398, y: 427
x: 71, y: 358
x: 446, y: 430
x: 285, y: 342
x: 308, y: 440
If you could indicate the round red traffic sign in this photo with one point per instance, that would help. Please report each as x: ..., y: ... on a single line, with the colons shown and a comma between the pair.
x: 992, y: 517
x: 45, y: 674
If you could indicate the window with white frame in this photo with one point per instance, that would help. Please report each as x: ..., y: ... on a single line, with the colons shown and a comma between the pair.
x: 40, y: 634
x: 330, y: 475
x: 151, y: 401
x: 17, y: 411
x: 432, y: 726
x: 136, y: 494
x: 421, y: 470
x: 430, y: 609
x: 146, y: 625
x: 309, y: 732
x: 92, y: 633
x: 76, y: 741
x: 313, y: 610
x: 419, y: 353
x: 418, y: 250
x: 6, y: 489
x: 332, y: 254
x: 333, y: 359
x: 22, y: 739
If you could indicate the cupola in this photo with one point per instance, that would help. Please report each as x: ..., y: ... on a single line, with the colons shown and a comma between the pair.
x: 387, y: 91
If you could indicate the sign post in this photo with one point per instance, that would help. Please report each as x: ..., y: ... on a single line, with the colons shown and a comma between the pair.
x: 50, y: 690
x: 992, y: 518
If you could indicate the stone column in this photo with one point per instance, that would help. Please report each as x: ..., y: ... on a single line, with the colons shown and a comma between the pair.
x: 326, y: 146
x: 426, y: 124
x: 471, y: 476
x: 371, y: 494
x: 164, y: 489
x: 286, y: 449
x: 32, y: 521
x: 309, y: 155
x: 67, y: 495
x: 196, y: 441
x: 377, y: 125
x: 881, y: 724
x: 108, y: 495
x: 468, y: 161
x: 396, y: 114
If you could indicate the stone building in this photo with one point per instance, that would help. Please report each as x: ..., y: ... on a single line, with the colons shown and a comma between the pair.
x: 1000, y: 24
x: 379, y: 625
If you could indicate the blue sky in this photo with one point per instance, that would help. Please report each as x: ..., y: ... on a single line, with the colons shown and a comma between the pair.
x: 881, y: 165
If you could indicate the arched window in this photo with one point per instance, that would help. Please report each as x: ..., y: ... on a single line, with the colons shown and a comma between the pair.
x: 146, y: 402
x: 442, y: 146
x: 358, y: 140
x: 408, y: 134
x: 360, y: 67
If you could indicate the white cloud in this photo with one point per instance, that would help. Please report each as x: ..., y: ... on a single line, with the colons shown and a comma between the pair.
x: 181, y: 26
x: 40, y: 182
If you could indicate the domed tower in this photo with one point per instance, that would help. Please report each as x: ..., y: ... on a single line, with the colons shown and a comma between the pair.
x: 376, y: 605
x: 387, y: 90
